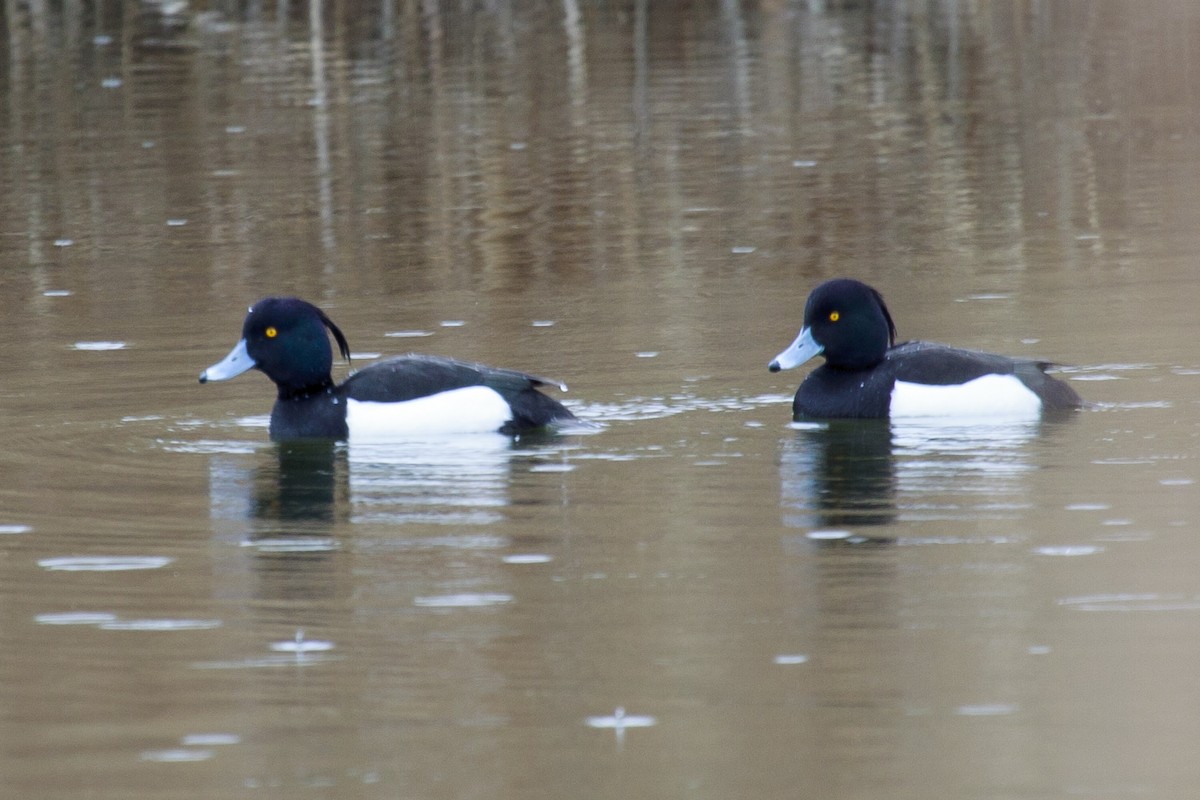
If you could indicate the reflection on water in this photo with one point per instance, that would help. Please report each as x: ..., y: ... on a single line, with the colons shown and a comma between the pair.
x: 291, y: 491
x: 460, y: 480
x: 840, y: 473
x: 849, y: 473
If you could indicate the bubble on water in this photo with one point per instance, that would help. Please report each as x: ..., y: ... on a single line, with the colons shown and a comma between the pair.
x: 795, y: 658
x: 986, y: 710
x: 647, y: 354
x: 464, y: 600
x: 210, y: 739
x: 552, y: 468
x: 100, y: 345
x: 1088, y: 507
x: 619, y: 722
x: 176, y: 223
x: 408, y: 334
x: 742, y: 250
x: 302, y: 646
x: 177, y: 755
x: 543, y: 323
x: 828, y: 536
x: 63, y: 242
x: 161, y: 625
x: 14, y: 529
x: 527, y: 558
x: 453, y: 323
x: 619, y: 719
x: 57, y: 293
x: 293, y: 544
x: 103, y: 563
x: 75, y: 618
x: 111, y: 83
x: 1069, y: 550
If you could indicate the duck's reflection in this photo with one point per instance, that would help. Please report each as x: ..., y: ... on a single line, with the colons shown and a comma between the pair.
x: 838, y: 474
x: 851, y: 474
x: 296, y: 491
x: 280, y: 511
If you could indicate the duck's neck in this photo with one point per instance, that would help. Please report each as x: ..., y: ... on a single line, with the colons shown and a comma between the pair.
x: 305, y: 392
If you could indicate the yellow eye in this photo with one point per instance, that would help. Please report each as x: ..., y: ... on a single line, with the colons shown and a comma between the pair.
x: 834, y: 316
x: 271, y: 333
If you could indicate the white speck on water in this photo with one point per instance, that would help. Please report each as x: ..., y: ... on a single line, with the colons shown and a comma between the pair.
x: 6, y: 530
x: 647, y: 354
x: 176, y: 756
x: 464, y: 600
x: 1030, y: 341
x: 1069, y: 550
x: 1132, y: 602
x: 63, y: 242
x: 408, y: 334
x: 742, y: 249
x: 210, y: 739
x: 1088, y: 507
x: 1117, y: 522
x: 161, y: 625
x: 365, y: 356
x: 552, y: 468
x: 97, y: 346
x: 178, y: 222
x: 1176, y: 482
x: 795, y: 658
x: 111, y: 83
x: 300, y: 646
x: 1038, y: 650
x: 57, y: 293
x: 297, y: 544
x: 149, y: 144
x: 543, y: 323
x: 75, y: 618
x: 986, y: 710
x: 102, y: 40
x: 103, y: 563
x: 235, y: 128
x: 803, y: 163
x: 517, y: 146
x: 527, y: 558
x: 1087, y: 237
x: 828, y: 535
x: 453, y: 323
x: 619, y: 721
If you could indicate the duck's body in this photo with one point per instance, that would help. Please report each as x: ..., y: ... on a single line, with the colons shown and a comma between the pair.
x: 412, y: 395
x: 866, y: 375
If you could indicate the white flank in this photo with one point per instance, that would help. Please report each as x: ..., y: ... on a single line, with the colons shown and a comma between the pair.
x: 474, y: 409
x: 986, y: 396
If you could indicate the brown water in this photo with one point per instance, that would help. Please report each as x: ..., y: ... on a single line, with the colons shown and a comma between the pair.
x: 634, y: 199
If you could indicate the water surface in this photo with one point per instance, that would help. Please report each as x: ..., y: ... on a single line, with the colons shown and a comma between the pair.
x: 696, y: 599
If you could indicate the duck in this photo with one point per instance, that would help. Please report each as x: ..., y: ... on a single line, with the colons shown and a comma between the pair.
x: 867, y: 375
x: 287, y: 339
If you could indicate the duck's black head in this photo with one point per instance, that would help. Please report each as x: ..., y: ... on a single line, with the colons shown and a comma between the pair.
x: 847, y: 322
x: 285, y: 338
